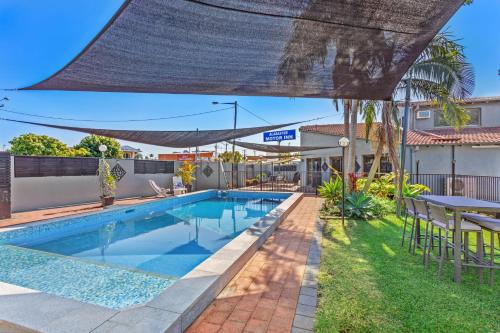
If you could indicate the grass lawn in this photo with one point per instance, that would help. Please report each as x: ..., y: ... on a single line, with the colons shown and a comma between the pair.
x: 368, y: 283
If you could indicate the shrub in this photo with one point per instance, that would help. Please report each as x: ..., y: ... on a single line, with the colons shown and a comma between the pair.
x: 359, y: 205
x: 383, y: 206
x: 331, y: 191
x: 384, y: 187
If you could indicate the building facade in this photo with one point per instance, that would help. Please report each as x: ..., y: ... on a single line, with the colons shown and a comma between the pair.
x: 129, y: 152
x: 433, y: 146
x: 436, y: 148
x: 315, y: 162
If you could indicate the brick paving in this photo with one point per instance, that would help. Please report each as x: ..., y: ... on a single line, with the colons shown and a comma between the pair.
x: 50, y: 213
x: 263, y: 296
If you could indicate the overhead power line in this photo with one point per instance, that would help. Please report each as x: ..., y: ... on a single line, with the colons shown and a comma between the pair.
x: 115, y: 121
x: 255, y: 115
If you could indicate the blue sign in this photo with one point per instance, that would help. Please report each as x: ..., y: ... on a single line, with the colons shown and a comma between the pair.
x: 279, y: 135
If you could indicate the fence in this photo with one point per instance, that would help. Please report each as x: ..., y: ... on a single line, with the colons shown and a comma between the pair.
x: 476, y: 187
x: 286, y: 178
x: 274, y: 180
x: 42, y: 182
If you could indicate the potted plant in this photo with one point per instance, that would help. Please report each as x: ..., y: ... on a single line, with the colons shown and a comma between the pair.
x: 107, y: 183
x: 186, y: 172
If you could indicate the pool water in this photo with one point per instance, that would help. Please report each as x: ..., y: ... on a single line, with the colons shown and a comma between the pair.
x: 122, y: 261
x: 171, y: 243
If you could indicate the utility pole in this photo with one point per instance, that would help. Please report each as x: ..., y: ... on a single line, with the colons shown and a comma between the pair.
x: 235, y: 103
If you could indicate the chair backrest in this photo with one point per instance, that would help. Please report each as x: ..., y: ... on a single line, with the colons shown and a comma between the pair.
x: 155, y: 187
x: 409, y: 204
x: 177, y: 182
x: 438, y: 213
x: 421, y: 207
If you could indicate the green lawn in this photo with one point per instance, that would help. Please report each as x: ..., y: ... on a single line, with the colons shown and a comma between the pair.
x: 368, y: 283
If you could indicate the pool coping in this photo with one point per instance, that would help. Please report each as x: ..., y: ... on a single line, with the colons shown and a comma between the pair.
x: 173, y: 310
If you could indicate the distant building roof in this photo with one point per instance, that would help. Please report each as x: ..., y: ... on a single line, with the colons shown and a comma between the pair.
x: 448, y: 136
x: 440, y: 136
x: 130, y: 149
x: 472, y: 100
x: 335, y: 129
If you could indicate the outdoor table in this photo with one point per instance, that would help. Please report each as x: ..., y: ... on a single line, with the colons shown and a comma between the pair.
x: 459, y: 205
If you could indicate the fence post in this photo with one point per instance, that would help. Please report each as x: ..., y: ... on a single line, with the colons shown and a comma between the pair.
x: 218, y: 174
x: 453, y: 170
x: 5, y: 186
x: 418, y: 172
x: 260, y: 175
x: 272, y: 176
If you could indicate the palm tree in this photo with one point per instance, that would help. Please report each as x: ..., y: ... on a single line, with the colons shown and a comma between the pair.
x: 440, y: 74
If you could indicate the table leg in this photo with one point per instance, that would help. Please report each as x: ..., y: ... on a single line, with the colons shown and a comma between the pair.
x: 458, y: 247
x: 417, y: 230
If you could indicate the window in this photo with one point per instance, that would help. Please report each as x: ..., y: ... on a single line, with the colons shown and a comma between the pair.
x: 425, y: 114
x: 475, y: 118
x: 385, y: 164
x: 336, y: 163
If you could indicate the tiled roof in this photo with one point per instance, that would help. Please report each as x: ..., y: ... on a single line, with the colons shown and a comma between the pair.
x: 441, y: 136
x: 472, y: 100
x: 334, y: 129
x: 448, y: 136
x: 131, y: 149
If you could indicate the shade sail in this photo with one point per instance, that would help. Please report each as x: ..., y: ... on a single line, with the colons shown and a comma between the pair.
x: 174, y: 139
x: 278, y: 148
x: 313, y: 48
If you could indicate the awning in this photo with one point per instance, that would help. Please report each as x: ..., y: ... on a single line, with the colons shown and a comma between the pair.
x: 278, y: 148
x: 174, y: 139
x: 313, y: 48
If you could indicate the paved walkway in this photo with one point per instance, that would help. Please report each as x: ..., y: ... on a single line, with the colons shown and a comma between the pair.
x: 263, y: 296
x: 45, y: 214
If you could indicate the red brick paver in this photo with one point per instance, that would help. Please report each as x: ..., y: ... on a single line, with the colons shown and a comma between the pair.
x: 263, y: 296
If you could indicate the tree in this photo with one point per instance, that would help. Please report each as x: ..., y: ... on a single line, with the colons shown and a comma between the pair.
x: 92, y: 143
x: 440, y: 74
x: 42, y: 145
x: 227, y: 157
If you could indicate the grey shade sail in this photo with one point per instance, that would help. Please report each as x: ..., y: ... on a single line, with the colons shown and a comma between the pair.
x: 311, y: 48
x: 278, y: 148
x: 174, y: 139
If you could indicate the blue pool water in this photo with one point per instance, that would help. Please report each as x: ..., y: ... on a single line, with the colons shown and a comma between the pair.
x: 117, y: 259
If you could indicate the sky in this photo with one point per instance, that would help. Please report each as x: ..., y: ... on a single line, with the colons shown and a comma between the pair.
x: 40, y: 37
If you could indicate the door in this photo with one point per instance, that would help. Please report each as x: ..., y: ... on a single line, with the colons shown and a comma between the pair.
x: 4, y: 185
x: 314, y: 171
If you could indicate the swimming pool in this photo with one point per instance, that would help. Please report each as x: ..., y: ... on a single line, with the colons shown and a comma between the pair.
x: 127, y: 256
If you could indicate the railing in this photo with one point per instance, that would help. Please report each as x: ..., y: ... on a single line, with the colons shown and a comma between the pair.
x: 476, y: 187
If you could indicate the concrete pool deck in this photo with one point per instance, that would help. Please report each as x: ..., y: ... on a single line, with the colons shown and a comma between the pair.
x: 51, y: 213
x: 172, y: 311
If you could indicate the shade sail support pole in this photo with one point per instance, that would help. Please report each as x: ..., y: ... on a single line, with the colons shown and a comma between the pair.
x: 234, y: 145
x: 403, y: 145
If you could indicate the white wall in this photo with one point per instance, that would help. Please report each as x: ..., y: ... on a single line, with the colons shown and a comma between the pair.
x: 490, y: 116
x: 469, y: 160
x: 316, y: 139
x: 29, y: 193
x: 215, y: 180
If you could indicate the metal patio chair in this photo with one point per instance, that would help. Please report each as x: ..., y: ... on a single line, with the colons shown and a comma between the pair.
x: 421, y: 213
x: 442, y: 221
x: 409, y: 212
x: 493, y: 226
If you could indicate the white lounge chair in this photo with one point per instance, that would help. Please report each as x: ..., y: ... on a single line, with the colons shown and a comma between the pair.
x: 163, y: 192
x: 178, y: 186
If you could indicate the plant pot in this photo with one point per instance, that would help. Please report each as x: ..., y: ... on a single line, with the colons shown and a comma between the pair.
x: 107, y: 201
x: 189, y: 187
